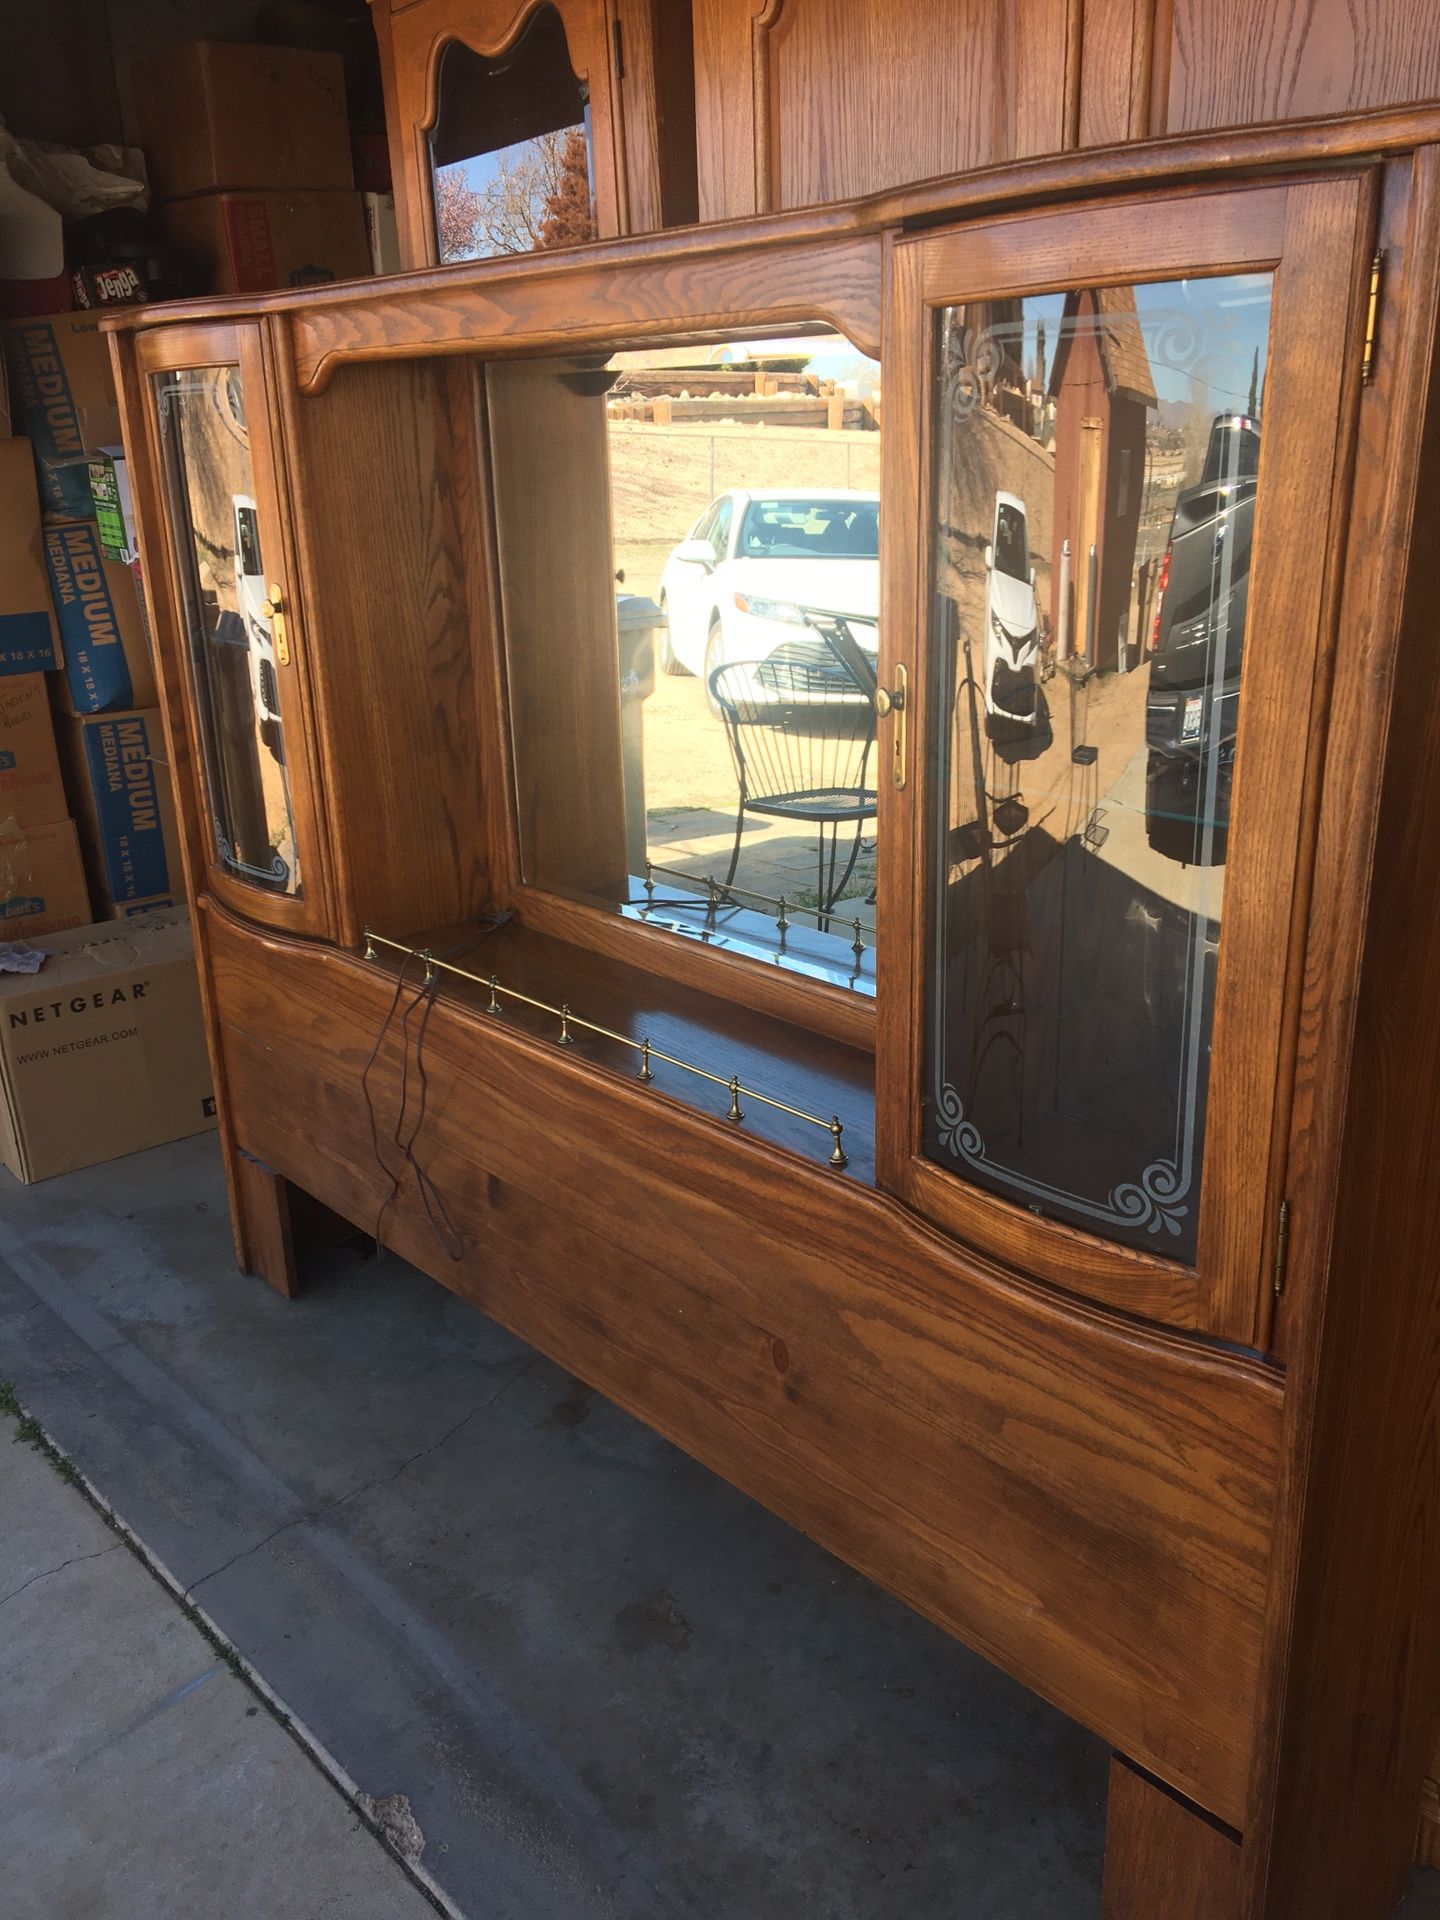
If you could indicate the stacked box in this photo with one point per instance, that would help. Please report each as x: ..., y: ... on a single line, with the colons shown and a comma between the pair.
x: 42, y: 876
x: 42, y: 881
x: 102, y: 1051
x: 63, y: 396
x: 248, y: 242
x: 32, y: 793
x: 102, y: 628
x: 216, y: 115
x: 120, y: 788
x: 27, y: 625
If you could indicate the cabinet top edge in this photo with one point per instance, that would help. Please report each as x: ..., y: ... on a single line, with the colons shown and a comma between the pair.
x: 1183, y: 160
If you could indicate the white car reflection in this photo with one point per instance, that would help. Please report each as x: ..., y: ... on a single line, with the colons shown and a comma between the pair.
x: 1011, y: 638
x: 736, y: 589
x: 252, y: 595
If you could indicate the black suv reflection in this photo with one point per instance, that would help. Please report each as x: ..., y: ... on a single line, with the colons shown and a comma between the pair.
x: 1199, y: 634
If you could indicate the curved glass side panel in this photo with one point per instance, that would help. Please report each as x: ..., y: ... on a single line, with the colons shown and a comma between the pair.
x: 510, y: 153
x: 1097, y: 460
x: 229, y: 636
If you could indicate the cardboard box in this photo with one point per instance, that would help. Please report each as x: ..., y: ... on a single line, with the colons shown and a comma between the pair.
x: 27, y: 626
x: 102, y: 627
x: 214, y: 114
x: 102, y: 1052
x: 382, y: 232
x: 63, y: 398
x: 247, y: 242
x: 32, y: 793
x: 120, y: 789
x: 42, y: 882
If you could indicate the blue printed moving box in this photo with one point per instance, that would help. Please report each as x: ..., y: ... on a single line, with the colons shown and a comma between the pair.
x: 64, y: 400
x: 27, y: 627
x: 107, y: 658
x: 120, y: 789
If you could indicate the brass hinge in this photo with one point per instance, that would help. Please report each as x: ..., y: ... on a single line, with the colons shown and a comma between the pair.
x: 1367, y: 363
x: 1282, y: 1246
x: 619, y: 41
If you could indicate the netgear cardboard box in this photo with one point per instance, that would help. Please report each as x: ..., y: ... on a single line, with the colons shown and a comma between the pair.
x: 42, y: 881
x: 102, y: 1051
x: 120, y: 788
x: 31, y: 791
x: 107, y: 655
x: 27, y: 627
x: 63, y: 397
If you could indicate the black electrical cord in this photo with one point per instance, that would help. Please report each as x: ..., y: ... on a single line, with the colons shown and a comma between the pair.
x: 436, y: 1212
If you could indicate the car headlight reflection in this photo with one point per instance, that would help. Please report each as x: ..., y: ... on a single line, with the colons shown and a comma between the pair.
x: 1017, y: 643
x: 770, y: 609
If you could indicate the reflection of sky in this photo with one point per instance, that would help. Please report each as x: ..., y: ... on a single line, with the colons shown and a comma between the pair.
x: 482, y: 170
x: 1209, y: 330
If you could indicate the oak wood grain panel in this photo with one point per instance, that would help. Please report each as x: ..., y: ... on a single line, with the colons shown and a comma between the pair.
x: 263, y: 1199
x: 1317, y: 332
x: 550, y: 474
x: 725, y: 106
x: 1115, y: 54
x: 1163, y: 1861
x: 1086, y: 1503
x: 1238, y: 62
x: 579, y: 302
x: 384, y: 464
x: 1354, y: 1665
x: 655, y: 128
x: 802, y: 102
x: 1213, y: 232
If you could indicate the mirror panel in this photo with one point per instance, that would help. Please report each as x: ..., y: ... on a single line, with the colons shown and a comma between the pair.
x: 511, y: 160
x: 691, y: 596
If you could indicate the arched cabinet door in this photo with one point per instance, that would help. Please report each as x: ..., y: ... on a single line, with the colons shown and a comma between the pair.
x: 504, y: 125
x: 1106, y: 580
x: 230, y: 632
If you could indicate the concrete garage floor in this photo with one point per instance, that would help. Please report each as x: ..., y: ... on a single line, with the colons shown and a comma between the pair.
x: 138, y: 1777
x: 608, y: 1684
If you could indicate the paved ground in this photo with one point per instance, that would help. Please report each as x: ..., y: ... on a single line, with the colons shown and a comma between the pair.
x: 608, y: 1684
x: 138, y: 1775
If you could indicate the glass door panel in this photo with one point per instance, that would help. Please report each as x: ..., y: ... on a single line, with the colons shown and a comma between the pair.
x: 1096, y: 467
x: 1106, y: 575
x: 234, y: 637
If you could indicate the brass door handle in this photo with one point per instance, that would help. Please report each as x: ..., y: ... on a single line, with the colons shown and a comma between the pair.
x: 274, y: 611
x: 890, y: 705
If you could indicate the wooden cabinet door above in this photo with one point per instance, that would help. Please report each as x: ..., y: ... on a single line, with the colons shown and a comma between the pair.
x: 804, y: 101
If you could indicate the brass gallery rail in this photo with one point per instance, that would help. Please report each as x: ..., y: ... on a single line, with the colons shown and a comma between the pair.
x: 646, y: 1051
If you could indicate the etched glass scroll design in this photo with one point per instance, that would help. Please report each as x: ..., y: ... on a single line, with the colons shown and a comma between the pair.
x: 1096, y: 468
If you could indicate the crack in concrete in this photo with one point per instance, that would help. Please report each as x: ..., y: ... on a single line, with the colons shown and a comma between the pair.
x: 354, y: 1493
x: 48, y: 1572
